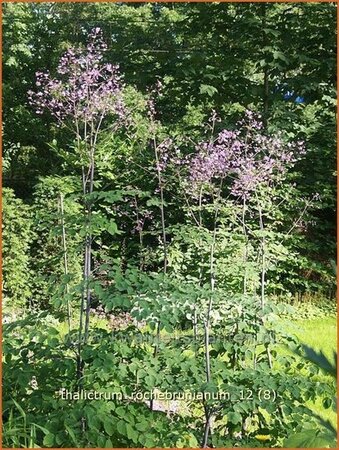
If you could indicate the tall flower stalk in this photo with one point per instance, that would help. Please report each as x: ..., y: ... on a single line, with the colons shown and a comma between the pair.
x: 82, y: 94
x: 240, y: 163
x: 65, y: 259
x: 161, y: 155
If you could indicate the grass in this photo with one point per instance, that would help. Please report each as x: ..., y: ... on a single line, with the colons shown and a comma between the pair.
x: 321, y: 335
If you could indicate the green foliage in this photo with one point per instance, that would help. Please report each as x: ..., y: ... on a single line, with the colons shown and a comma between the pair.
x: 187, y: 62
x: 324, y: 435
x: 47, y: 254
x: 321, y: 360
x: 122, y: 362
x: 112, y: 369
x: 202, y: 300
x: 17, y: 235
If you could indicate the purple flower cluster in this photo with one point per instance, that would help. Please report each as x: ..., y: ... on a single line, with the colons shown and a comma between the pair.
x: 85, y: 89
x: 247, y: 156
x: 163, y: 150
x: 154, y: 93
x: 214, y: 159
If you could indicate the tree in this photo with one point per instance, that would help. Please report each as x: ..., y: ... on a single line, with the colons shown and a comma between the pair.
x: 17, y: 235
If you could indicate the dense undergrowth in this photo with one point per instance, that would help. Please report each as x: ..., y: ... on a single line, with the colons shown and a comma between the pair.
x: 164, y: 255
x: 41, y: 361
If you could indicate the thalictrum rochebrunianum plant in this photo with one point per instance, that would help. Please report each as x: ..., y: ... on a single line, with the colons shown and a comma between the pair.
x: 83, y: 93
x: 234, y: 170
x: 241, y: 166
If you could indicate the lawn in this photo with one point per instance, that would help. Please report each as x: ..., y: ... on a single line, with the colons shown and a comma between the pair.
x: 321, y: 335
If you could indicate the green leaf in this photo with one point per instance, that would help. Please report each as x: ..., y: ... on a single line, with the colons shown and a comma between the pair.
x: 108, y: 444
x: 132, y: 433
x: 280, y: 55
x: 141, y: 426
x: 234, y: 418
x: 49, y: 440
x: 208, y: 89
x: 120, y: 411
x: 72, y: 434
x: 121, y: 427
x: 192, y: 442
x: 150, y: 442
x: 109, y: 427
x: 112, y: 228
x: 327, y: 403
x: 309, y: 439
x: 153, y: 202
